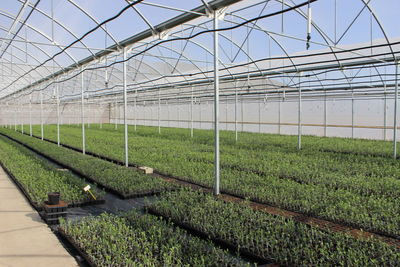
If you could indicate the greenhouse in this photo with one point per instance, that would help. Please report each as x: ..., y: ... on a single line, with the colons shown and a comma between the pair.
x: 199, y: 133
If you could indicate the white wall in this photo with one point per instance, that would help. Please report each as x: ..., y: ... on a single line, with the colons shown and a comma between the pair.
x: 260, y: 116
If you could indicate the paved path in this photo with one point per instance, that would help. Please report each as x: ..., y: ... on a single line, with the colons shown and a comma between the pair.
x: 24, y: 239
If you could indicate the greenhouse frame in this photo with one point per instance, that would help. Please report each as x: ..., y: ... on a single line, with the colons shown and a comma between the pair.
x: 287, y: 109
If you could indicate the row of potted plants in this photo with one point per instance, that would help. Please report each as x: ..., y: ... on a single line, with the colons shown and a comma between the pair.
x: 284, y: 241
x: 38, y: 177
x: 126, y: 182
x: 142, y: 240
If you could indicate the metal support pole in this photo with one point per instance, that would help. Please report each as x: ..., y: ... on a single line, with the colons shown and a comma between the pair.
x: 259, y: 115
x: 384, y: 113
x: 279, y: 114
x: 15, y: 114
x: 116, y: 115
x: 352, y: 115
x: 41, y: 115
x: 396, y: 100
x: 191, y: 112
x: 325, y: 115
x: 58, y: 113
x: 236, y: 102
x: 216, y: 105
x: 136, y: 111
x: 226, y: 112
x: 242, y: 111
x: 125, y: 109
x: 299, y: 116
x: 30, y: 114
x: 159, y: 113
x: 88, y: 110
x: 83, y: 114
x: 8, y: 116
x: 21, y: 112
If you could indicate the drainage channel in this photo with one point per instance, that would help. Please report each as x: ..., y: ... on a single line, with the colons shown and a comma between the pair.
x: 115, y: 205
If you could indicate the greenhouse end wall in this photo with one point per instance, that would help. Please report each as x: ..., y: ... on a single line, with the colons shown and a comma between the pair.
x: 277, y: 117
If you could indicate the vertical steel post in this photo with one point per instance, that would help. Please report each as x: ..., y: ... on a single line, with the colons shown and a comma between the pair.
x: 259, y: 115
x: 242, y: 111
x: 8, y: 116
x: 159, y: 113
x: 58, y: 113
x: 41, y: 114
x: 30, y: 114
x: 116, y: 115
x: 88, y: 109
x: 216, y: 105
x: 83, y: 114
x: 299, y: 116
x: 226, y: 112
x: 21, y: 112
x: 191, y: 112
x: 136, y: 111
x: 15, y: 113
x: 384, y: 114
x: 325, y: 115
x: 236, y: 102
x: 352, y: 115
x: 396, y: 100
x: 280, y: 99
x: 125, y: 109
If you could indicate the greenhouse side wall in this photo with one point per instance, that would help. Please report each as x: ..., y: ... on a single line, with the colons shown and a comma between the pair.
x: 69, y: 114
x: 277, y: 117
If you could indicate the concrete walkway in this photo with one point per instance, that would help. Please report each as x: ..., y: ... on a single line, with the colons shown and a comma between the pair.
x: 24, y: 239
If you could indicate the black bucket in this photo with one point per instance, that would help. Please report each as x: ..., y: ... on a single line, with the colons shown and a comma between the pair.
x: 54, y: 198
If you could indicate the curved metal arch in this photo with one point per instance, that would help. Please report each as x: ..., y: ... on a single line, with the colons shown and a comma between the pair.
x: 114, y: 75
x: 146, y: 64
x: 380, y: 27
x: 118, y: 78
x: 187, y: 58
x: 20, y: 59
x: 32, y: 28
x: 156, y: 70
x: 94, y: 20
x: 228, y: 39
x: 34, y: 45
x: 175, y: 51
x: 47, y: 37
x: 324, y: 36
x: 321, y: 33
x: 60, y: 25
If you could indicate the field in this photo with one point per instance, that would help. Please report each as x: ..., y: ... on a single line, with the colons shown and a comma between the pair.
x: 349, y: 182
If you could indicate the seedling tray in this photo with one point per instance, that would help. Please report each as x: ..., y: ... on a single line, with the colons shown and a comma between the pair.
x: 72, y: 243
x: 89, y: 179
x: 37, y: 206
x: 33, y: 203
x: 245, y: 253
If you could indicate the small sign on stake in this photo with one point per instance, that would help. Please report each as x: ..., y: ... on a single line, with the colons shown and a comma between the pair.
x: 87, y: 189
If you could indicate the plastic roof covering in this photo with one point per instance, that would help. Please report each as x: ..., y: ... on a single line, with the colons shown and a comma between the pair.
x: 353, y: 44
